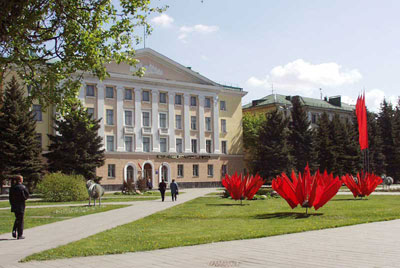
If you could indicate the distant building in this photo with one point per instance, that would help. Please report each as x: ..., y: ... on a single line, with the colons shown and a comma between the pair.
x: 313, y: 107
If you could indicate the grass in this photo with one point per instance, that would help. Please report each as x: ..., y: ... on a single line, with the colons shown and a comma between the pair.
x: 40, y: 216
x: 212, y: 219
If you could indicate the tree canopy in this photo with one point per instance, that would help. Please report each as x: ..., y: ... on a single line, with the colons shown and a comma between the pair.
x: 49, y: 41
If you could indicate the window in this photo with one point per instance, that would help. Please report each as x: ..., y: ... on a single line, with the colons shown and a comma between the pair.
x: 111, y: 170
x: 178, y: 99
x: 37, y: 111
x: 90, y: 111
x: 129, y: 173
x: 208, y: 123
x: 128, y: 144
x: 163, y: 120
x: 207, y: 104
x: 179, y: 147
x: 110, y: 92
x: 128, y: 94
x: 180, y: 170
x: 145, y: 95
x: 128, y: 118
x: 223, y: 125
x: 194, y: 146
x: 39, y: 139
x: 178, y: 121
x: 163, y: 97
x: 163, y: 145
x: 146, y: 144
x: 110, y: 117
x: 90, y: 90
x: 313, y: 118
x: 146, y: 119
x: 223, y: 147
x: 210, y: 170
x: 110, y: 143
x: 208, y: 146
x: 224, y: 170
x: 193, y: 124
x: 222, y: 105
x: 195, y: 170
x: 193, y: 101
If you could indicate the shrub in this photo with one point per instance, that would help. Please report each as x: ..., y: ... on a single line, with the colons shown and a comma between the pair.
x: 58, y: 187
x: 141, y: 185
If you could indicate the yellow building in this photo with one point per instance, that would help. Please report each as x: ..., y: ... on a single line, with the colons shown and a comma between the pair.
x: 173, y: 123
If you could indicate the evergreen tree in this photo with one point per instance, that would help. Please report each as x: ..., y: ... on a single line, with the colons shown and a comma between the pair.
x: 396, y: 140
x: 385, y: 123
x: 77, y: 149
x: 272, y: 156
x: 337, y: 136
x: 323, y: 144
x: 350, y: 149
x: 376, y: 157
x: 19, y: 148
x: 301, y: 137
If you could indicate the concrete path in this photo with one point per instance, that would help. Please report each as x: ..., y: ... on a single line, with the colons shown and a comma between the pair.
x: 365, y: 245
x: 59, y: 233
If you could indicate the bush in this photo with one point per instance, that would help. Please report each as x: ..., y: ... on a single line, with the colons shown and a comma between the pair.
x: 58, y: 187
x: 141, y: 185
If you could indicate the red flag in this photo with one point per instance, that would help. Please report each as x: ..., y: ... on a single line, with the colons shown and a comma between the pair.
x: 361, y: 112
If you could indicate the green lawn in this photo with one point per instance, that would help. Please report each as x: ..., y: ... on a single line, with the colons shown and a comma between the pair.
x: 212, y: 219
x: 39, y: 216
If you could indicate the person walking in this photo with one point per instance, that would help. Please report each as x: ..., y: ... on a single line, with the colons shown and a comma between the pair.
x: 18, y: 195
x: 174, y: 190
x: 162, y: 187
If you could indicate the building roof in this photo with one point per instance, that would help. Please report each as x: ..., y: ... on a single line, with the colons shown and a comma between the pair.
x: 277, y: 99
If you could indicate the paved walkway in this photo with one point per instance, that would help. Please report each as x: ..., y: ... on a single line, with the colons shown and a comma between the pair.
x: 59, y: 233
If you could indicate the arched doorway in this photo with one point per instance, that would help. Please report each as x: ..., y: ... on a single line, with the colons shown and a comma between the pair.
x: 130, y: 173
x: 148, y: 172
x: 164, y: 172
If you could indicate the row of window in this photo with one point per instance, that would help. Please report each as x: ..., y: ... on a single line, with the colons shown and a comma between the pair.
x: 90, y: 92
x: 210, y: 170
x: 128, y: 140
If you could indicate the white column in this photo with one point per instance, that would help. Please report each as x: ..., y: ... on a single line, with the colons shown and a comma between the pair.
x: 138, y: 120
x: 216, y: 126
x: 171, y: 120
x: 154, y: 112
x: 186, y: 125
x: 120, y: 118
x: 100, y: 109
x: 202, y: 125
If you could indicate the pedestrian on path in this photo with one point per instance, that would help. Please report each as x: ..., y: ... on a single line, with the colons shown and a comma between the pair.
x: 162, y: 187
x: 174, y: 190
x: 18, y: 195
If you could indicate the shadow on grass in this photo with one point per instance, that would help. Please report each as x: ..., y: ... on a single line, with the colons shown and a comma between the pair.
x: 227, y: 205
x: 281, y: 215
x: 350, y: 199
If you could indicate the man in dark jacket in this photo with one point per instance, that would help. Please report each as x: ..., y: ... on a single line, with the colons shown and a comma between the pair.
x: 174, y: 190
x: 17, y: 197
x: 162, y: 187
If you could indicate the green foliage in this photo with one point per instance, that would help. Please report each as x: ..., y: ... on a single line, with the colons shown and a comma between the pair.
x: 19, y: 149
x: 396, y: 140
x: 324, y: 143
x: 58, y: 187
x: 376, y: 157
x: 49, y: 41
x: 78, y: 147
x: 251, y: 128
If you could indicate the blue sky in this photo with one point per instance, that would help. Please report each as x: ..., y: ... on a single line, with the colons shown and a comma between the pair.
x: 297, y: 46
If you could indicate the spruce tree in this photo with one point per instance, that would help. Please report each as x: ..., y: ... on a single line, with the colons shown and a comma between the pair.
x: 301, y: 137
x: 77, y: 147
x: 19, y: 148
x: 385, y: 123
x: 350, y: 149
x: 396, y: 140
x: 272, y: 155
x: 376, y: 157
x: 337, y: 136
x: 323, y: 144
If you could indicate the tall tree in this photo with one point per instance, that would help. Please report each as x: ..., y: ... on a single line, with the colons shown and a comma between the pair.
x: 251, y: 129
x: 301, y: 137
x: 323, y: 144
x: 77, y: 147
x: 272, y: 156
x: 396, y: 140
x: 74, y: 36
x: 385, y: 123
x: 20, y: 149
x: 351, y: 151
x: 337, y: 136
x: 376, y: 157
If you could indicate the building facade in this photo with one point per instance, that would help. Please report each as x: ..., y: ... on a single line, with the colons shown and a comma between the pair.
x: 173, y: 123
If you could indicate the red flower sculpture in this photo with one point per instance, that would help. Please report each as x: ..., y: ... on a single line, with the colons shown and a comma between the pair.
x: 306, y: 190
x: 364, y: 185
x: 240, y: 188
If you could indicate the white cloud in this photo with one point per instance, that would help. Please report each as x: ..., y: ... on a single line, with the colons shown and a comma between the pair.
x: 304, y: 77
x: 373, y: 99
x: 163, y: 20
x: 198, y: 28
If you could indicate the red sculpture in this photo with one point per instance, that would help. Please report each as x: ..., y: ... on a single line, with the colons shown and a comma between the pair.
x: 240, y: 188
x: 364, y: 185
x: 361, y: 112
x: 306, y: 190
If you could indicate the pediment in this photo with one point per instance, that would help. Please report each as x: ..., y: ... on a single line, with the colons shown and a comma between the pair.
x: 160, y: 67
